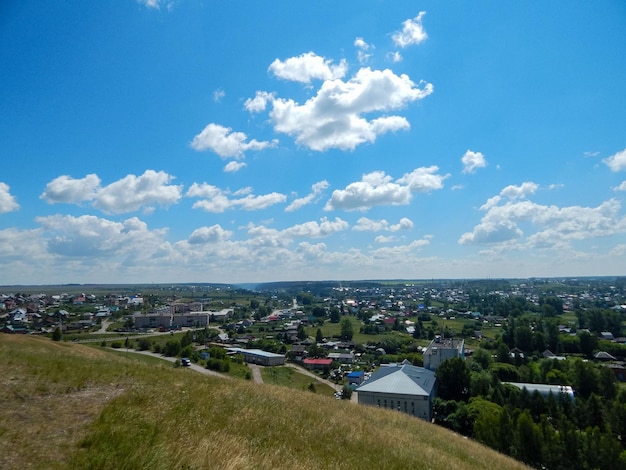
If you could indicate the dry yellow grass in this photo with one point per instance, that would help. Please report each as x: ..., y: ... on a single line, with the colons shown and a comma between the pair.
x: 86, y: 408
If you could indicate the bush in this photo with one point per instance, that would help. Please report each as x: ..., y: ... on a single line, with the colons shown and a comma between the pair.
x: 116, y: 345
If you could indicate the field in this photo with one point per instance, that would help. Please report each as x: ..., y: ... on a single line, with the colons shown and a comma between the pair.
x: 288, y: 377
x: 68, y: 405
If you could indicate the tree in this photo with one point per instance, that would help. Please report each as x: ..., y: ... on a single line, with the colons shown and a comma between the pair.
x: 334, y: 315
x: 346, y: 393
x: 454, y: 379
x: 301, y: 333
x: 346, y: 329
x: 318, y: 336
x: 528, y: 440
x: 56, y: 334
x: 482, y: 357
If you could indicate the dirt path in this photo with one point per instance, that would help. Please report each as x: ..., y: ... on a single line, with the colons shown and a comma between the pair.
x: 308, y: 373
x: 194, y: 367
x: 256, y: 373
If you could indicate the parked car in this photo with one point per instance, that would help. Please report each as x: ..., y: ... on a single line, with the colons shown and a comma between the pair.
x: 185, y: 362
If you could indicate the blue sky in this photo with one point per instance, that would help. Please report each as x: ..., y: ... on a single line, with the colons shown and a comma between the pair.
x: 197, y: 141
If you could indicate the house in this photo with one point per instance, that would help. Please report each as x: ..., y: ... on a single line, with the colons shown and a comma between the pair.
x: 441, y: 349
x: 258, y: 356
x: 604, y: 356
x: 319, y: 364
x: 402, y: 387
x: 355, y: 378
x: 342, y: 357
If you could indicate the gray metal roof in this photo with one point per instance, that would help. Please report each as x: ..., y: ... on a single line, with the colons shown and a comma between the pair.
x: 400, y: 379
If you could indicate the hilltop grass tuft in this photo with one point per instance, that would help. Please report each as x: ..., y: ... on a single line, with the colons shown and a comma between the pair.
x: 87, y: 408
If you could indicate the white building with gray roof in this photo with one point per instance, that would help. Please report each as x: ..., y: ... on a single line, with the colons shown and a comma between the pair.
x: 402, y: 387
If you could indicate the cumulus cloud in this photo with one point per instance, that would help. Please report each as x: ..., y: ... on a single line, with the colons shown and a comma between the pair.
x: 68, y: 190
x: 7, y: 200
x: 362, y: 48
x: 90, y: 236
x: 306, y: 67
x: 317, y: 189
x: 379, y: 189
x: 548, y: 226
x: 472, y: 161
x: 259, y: 102
x: 394, y: 57
x: 126, y: 195
x: 314, y: 229
x: 226, y: 143
x: 621, y: 187
x: 412, y: 32
x: 213, y: 234
x: 521, y: 191
x: 232, y: 167
x: 368, y: 225
x: 133, y: 192
x: 217, y: 200
x: 334, y: 117
x: 385, y: 239
x: 616, y: 162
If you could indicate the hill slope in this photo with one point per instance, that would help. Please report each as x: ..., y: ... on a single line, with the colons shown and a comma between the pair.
x: 71, y: 406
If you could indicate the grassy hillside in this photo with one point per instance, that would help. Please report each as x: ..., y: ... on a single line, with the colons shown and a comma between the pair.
x: 70, y: 406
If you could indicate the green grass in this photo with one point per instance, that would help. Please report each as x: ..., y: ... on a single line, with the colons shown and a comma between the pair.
x: 333, y: 330
x: 289, y: 377
x: 66, y: 405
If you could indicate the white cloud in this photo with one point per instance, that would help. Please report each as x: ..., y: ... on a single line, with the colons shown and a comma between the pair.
x: 548, y: 226
x: 400, y: 253
x: 156, y: 4
x: 616, y: 162
x: 7, y: 200
x: 518, y: 192
x: 394, y: 57
x: 378, y: 189
x: 412, y: 32
x: 403, y: 224
x: 133, y: 192
x: 68, y: 190
x: 423, y: 179
x: 472, y: 161
x: 314, y: 229
x: 259, y: 102
x: 232, y: 167
x: 362, y: 54
x: 253, y: 203
x: 317, y: 189
x: 88, y: 236
x: 225, y: 143
x: 213, y: 234
x: 126, y: 195
x: 306, y: 67
x: 368, y: 225
x: 384, y: 239
x: 216, y: 200
x: 621, y: 187
x: 218, y: 95
x: 333, y: 118
x: 151, y: 3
